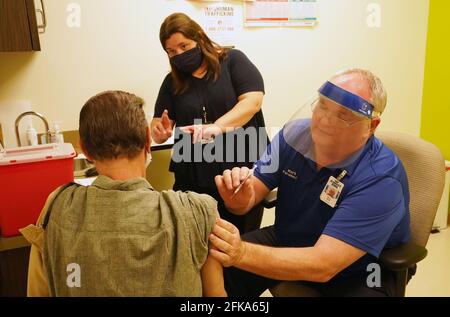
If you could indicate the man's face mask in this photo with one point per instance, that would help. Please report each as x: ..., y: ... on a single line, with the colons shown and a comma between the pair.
x: 188, y: 61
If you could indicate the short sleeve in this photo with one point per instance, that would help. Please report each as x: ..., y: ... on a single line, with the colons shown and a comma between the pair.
x: 204, y: 215
x: 267, y: 168
x: 366, y: 218
x: 165, y: 99
x: 244, y: 74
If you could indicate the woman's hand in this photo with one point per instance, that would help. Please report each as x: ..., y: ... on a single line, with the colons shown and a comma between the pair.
x: 162, y: 128
x: 202, y: 132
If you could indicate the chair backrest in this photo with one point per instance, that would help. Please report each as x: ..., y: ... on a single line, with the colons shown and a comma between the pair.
x: 425, y: 168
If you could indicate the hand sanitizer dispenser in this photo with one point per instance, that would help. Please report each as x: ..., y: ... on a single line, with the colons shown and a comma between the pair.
x: 57, y: 136
x: 32, y: 138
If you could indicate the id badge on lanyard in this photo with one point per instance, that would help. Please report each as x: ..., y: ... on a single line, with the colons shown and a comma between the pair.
x: 333, y: 189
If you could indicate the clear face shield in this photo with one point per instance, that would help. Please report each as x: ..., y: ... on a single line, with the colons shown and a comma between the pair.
x: 331, y: 128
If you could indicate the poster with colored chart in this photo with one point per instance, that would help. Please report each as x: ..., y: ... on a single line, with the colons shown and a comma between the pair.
x: 260, y: 13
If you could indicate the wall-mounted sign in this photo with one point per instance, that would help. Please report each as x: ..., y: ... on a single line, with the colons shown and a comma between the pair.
x: 280, y: 13
x: 220, y: 22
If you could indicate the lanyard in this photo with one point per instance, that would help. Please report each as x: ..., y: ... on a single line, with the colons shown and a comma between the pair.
x: 342, y: 175
x: 203, y: 100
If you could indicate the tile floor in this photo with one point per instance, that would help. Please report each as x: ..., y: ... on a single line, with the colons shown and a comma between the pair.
x: 433, y: 273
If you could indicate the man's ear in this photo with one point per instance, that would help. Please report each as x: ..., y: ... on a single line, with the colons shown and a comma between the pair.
x: 88, y: 157
x: 374, y: 124
x: 148, y: 141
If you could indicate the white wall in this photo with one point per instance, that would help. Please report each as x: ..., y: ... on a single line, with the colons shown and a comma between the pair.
x: 117, y: 47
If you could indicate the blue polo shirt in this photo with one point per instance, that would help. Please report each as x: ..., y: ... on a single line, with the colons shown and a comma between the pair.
x: 372, y: 212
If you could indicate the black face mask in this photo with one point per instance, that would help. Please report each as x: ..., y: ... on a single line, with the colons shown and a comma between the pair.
x: 189, y: 61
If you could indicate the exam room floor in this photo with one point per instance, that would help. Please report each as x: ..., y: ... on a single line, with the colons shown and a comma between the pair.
x: 433, y: 273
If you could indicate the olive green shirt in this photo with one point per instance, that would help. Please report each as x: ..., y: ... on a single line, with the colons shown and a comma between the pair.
x: 122, y: 238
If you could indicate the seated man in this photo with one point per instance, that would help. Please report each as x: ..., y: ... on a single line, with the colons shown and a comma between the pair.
x: 342, y: 198
x: 119, y: 237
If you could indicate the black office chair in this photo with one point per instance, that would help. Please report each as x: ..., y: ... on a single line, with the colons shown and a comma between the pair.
x: 425, y: 168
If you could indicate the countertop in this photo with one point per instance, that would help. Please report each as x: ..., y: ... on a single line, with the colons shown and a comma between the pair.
x: 13, y: 243
x: 164, y: 146
x: 73, y: 137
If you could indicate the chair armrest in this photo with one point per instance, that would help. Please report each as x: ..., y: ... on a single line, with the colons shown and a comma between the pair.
x: 402, y: 257
x: 395, y: 259
x: 270, y: 200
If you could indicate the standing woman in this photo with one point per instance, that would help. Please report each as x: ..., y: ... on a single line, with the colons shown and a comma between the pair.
x: 219, y: 88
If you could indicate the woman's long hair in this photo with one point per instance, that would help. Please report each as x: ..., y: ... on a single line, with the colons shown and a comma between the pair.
x: 213, y: 54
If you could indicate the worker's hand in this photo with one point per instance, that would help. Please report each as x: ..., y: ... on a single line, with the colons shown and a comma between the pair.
x: 228, y: 247
x: 162, y: 130
x: 202, y: 132
x: 237, y: 200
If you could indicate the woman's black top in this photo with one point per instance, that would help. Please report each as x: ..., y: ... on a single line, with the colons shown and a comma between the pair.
x: 205, y: 101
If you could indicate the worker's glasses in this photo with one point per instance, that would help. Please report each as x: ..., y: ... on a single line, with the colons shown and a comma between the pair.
x: 344, y: 118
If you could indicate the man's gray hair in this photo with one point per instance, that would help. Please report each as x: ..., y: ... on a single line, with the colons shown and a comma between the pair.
x: 378, y: 93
